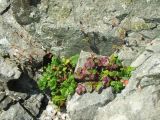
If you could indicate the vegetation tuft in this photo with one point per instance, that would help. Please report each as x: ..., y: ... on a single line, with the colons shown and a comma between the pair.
x: 97, y: 73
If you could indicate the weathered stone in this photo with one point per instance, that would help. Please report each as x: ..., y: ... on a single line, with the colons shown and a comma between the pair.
x: 154, y: 46
x: 1, y: 87
x: 15, y: 112
x: 136, y: 106
x: 24, y: 11
x: 52, y: 113
x: 2, y: 95
x: 8, y: 69
x: 17, y: 96
x: 3, y: 5
x: 82, y: 59
x: 33, y: 104
x: 84, y: 107
x: 141, y: 59
x: 136, y: 24
x: 128, y: 54
x: 150, y: 67
x: 5, y: 103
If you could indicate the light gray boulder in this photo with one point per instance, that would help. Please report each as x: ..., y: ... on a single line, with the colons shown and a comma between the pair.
x: 9, y: 69
x: 84, y: 107
x: 16, y: 112
x: 140, y: 105
x: 33, y: 104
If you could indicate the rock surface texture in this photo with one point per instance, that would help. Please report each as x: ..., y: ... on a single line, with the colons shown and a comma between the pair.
x: 29, y: 29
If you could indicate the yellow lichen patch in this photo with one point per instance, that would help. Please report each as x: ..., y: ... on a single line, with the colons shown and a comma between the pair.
x: 136, y: 24
x: 121, y: 33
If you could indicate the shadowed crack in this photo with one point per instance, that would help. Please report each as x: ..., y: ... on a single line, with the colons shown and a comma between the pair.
x: 4, y: 11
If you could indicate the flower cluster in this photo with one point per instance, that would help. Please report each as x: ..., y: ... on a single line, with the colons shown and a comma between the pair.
x: 105, y: 71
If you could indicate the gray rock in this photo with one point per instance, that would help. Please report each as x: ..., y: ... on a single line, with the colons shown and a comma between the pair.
x: 18, y: 43
x: 33, y: 104
x: 141, y: 95
x: 16, y: 112
x: 5, y: 103
x: 141, y: 59
x: 136, y: 24
x: 3, y: 5
x: 2, y: 95
x: 129, y: 54
x: 84, y: 107
x: 150, y: 67
x: 52, y: 113
x: 8, y: 69
x: 154, y: 46
x: 83, y: 58
x: 1, y: 87
x: 17, y: 96
x: 136, y: 106
x: 23, y: 11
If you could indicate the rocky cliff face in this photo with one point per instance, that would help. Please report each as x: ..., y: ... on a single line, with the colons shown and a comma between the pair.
x: 29, y: 29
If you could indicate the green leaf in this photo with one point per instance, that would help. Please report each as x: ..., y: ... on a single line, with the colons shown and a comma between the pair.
x: 42, y: 84
x: 58, y: 100
x: 63, y: 92
x: 55, y: 61
x: 99, y: 86
x: 52, y: 84
x: 117, y: 86
x: 114, y: 73
x: 74, y: 59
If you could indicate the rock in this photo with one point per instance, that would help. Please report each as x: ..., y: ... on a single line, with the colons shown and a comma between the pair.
x: 154, y: 46
x: 8, y: 69
x: 136, y: 43
x: 141, y: 95
x: 136, y: 106
x: 2, y: 95
x: 84, y: 107
x: 51, y: 113
x: 16, y: 112
x: 17, y: 96
x: 151, y: 34
x: 128, y: 54
x: 136, y: 24
x: 18, y: 43
x: 3, y: 5
x: 1, y: 87
x: 82, y: 59
x: 150, y: 67
x: 141, y: 59
x: 5, y: 103
x: 33, y: 104
x: 23, y: 11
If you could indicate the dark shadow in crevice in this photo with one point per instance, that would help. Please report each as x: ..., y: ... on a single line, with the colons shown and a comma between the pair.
x: 34, y: 2
x: 4, y: 11
x: 24, y: 84
x: 43, y: 106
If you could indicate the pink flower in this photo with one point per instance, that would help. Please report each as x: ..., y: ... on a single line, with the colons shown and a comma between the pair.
x: 80, y: 89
